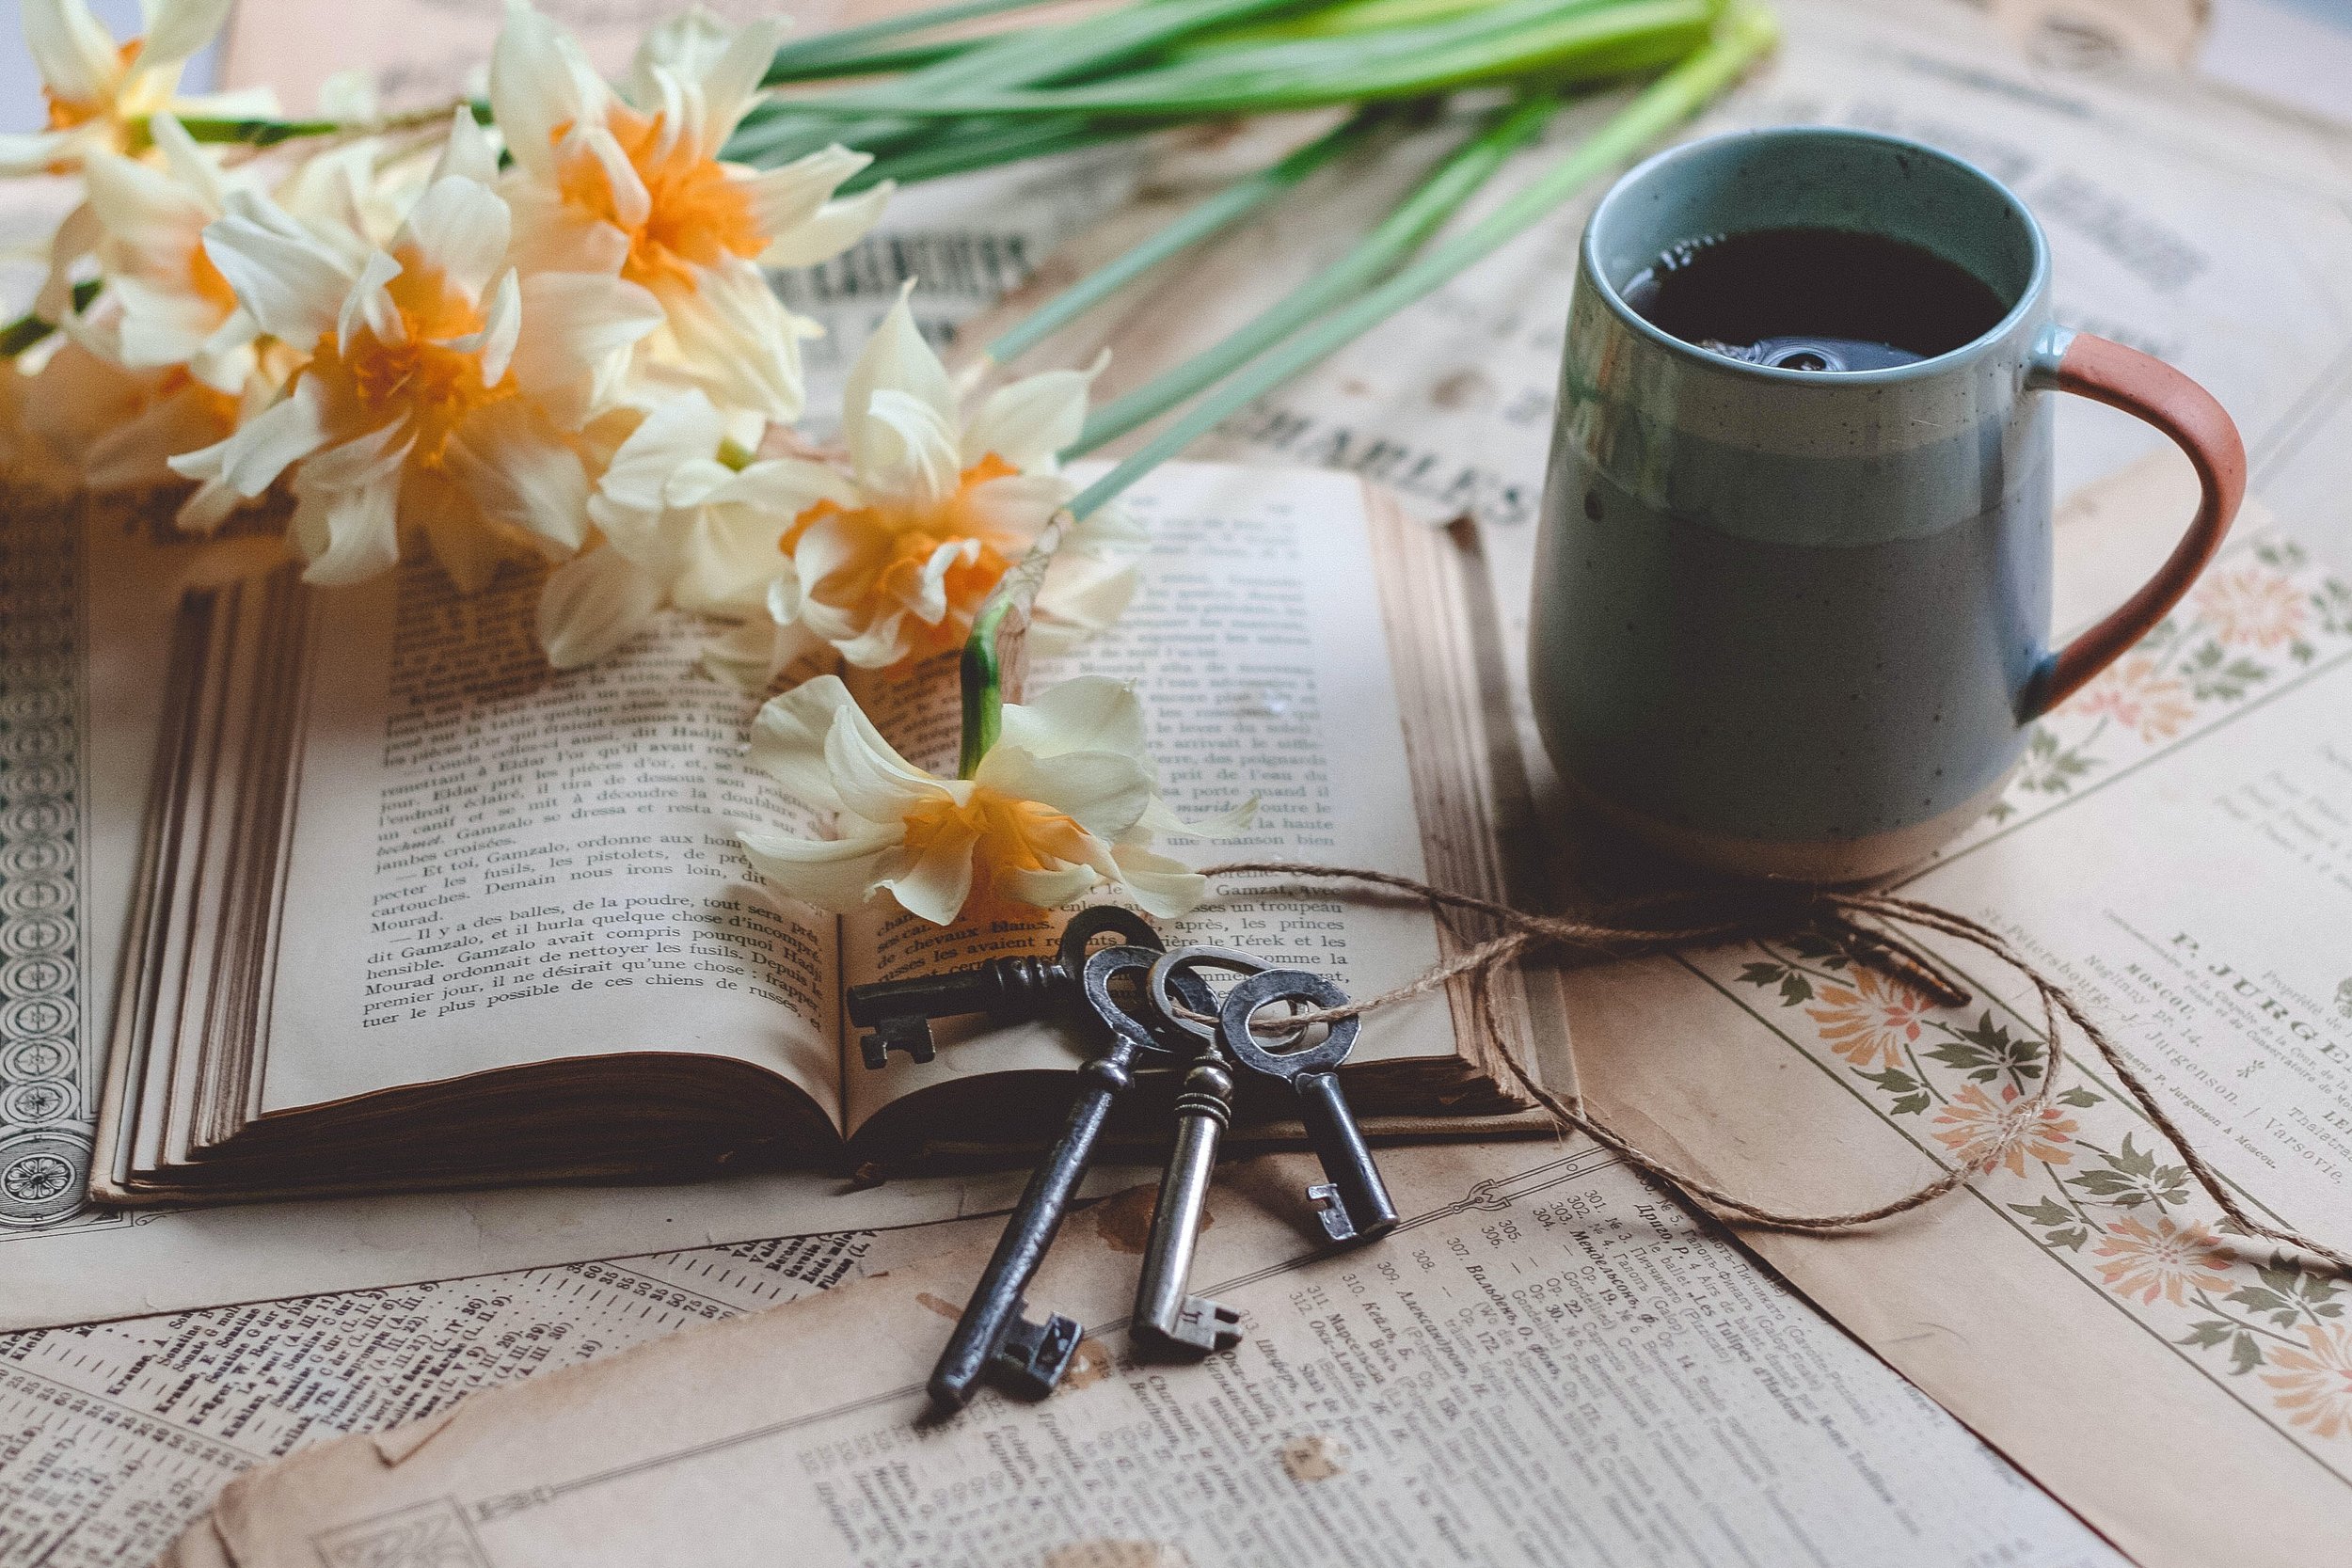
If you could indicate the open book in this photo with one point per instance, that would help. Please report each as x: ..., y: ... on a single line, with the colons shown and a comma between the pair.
x: 415, y: 911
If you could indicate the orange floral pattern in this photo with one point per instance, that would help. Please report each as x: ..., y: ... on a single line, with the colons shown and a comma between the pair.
x: 1983, y: 1131
x: 2253, y: 606
x: 2138, y: 695
x: 2314, y: 1386
x: 1870, y: 1020
x: 2162, y: 1260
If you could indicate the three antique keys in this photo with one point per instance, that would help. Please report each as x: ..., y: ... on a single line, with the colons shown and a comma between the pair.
x: 1168, y: 1016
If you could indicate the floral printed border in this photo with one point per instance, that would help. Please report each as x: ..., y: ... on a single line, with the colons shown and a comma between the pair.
x: 2085, y: 1175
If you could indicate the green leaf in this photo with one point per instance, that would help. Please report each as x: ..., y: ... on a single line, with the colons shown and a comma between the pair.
x: 1808, y: 944
x: 2070, y: 1240
x: 2255, y: 1299
x: 1894, y: 1079
x: 1760, y: 974
x: 1795, y: 987
x: 1911, y: 1104
x: 2244, y: 1355
x: 2206, y: 1335
x: 2048, y: 1211
x: 2078, y: 1097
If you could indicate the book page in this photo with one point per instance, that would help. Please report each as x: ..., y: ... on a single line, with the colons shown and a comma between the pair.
x: 495, y: 863
x: 1546, y: 1362
x: 1257, y: 646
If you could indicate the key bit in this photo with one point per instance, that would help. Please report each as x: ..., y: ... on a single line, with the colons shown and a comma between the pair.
x: 897, y: 1013
x: 1167, y: 1320
x: 1353, y: 1203
x: 995, y: 1336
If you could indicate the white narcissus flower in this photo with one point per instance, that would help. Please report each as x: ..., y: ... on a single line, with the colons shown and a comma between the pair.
x: 1066, y: 799
x: 890, y: 563
x: 680, y: 527
x: 171, y: 305
x: 634, y: 186
x: 442, y: 395
x: 100, y: 92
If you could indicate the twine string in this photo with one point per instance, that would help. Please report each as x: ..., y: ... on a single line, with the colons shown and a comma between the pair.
x: 1867, y: 927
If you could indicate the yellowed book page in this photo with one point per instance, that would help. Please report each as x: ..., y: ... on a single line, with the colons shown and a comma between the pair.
x: 1256, y: 645
x: 495, y: 863
x: 1545, y: 1363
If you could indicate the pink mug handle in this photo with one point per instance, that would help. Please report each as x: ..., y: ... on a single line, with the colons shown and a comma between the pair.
x: 2145, y: 387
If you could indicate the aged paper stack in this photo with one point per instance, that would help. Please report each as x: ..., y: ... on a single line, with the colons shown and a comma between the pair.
x: 2082, y: 1314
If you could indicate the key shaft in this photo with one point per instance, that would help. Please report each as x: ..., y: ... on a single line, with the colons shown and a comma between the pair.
x: 1169, y: 1319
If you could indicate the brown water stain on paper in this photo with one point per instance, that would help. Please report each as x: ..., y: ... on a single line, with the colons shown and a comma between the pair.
x: 1310, y: 1458
x: 947, y: 1309
x: 1089, y: 1363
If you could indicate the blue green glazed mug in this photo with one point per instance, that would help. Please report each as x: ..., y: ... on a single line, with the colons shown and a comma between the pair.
x: 1790, y: 622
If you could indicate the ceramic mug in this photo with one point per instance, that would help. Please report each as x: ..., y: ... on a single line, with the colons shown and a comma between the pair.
x: 1796, y: 624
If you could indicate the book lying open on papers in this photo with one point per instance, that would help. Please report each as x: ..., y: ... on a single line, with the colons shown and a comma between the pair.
x: 415, y: 911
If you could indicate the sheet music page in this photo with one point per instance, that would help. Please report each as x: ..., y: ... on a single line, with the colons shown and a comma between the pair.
x: 1547, y: 1360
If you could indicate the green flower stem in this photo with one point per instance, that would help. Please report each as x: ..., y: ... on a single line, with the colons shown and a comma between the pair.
x: 887, y: 61
x: 824, y: 54
x: 1559, y: 40
x: 987, y: 145
x: 1026, y: 58
x: 1212, y: 216
x: 1746, y: 33
x: 28, y: 328
x: 1397, y: 236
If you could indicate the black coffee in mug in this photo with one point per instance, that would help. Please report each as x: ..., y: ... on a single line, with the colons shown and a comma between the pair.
x: 1814, y: 299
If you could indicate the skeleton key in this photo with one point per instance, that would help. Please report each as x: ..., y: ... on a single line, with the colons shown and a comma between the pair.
x: 1163, y: 986
x: 1354, y: 1202
x: 1166, y: 1319
x: 899, y: 1012
x: 995, y: 1333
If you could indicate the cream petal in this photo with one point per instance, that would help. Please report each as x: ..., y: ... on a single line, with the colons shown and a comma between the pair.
x: 788, y: 739
x: 884, y: 641
x: 836, y: 874
x: 469, y: 546
x: 594, y: 143
x: 1082, y: 597
x: 501, y: 329
x: 749, y: 655
x: 350, y: 94
x: 731, y: 85
x: 1046, y: 889
x: 144, y: 209
x: 936, y: 886
x: 1088, y: 713
x: 539, y: 81
x: 77, y: 234
x: 367, y: 305
x: 895, y: 359
x: 1018, y: 504
x: 208, y: 506
x: 872, y: 779
x: 293, y: 285
x: 834, y: 229
x: 1164, y: 888
x: 787, y: 486
x: 675, y: 432
x: 908, y: 450
x: 931, y: 601
x: 1027, y: 421
x: 1103, y: 792
x: 31, y: 152
x: 518, y: 469
x: 1160, y: 819
x: 592, y: 604
x: 251, y: 460
x: 469, y: 153
x: 688, y: 44
x: 734, y: 337
x: 575, y: 326
x: 784, y: 199
x: 175, y: 29
x: 727, y: 561
x: 346, y: 515
x: 462, y: 227
x: 75, y: 55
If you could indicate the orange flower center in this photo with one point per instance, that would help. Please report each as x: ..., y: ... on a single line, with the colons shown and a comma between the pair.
x: 426, y: 382
x: 1010, y: 834
x: 695, y: 214
x: 207, y: 281
x: 66, y: 113
x: 893, y: 575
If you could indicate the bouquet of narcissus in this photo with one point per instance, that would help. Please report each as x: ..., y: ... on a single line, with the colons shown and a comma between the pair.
x: 537, y: 331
